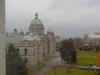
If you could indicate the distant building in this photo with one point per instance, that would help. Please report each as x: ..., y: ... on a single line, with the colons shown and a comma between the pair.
x: 92, y: 39
x: 58, y: 42
x: 34, y: 45
x: 78, y: 43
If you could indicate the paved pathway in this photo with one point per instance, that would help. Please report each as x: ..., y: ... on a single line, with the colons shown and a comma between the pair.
x: 48, y: 65
x: 56, y: 61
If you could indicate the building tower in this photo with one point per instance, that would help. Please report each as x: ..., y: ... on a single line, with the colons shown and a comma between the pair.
x: 51, y: 42
x: 36, y: 26
x: 2, y: 30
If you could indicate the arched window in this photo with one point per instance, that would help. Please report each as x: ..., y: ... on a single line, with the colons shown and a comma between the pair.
x: 17, y: 50
x: 26, y: 60
x: 25, y: 51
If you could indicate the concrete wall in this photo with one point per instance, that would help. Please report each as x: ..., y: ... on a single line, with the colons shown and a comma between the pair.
x: 2, y: 29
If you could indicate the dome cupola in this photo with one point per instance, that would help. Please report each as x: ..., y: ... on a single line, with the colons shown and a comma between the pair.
x: 36, y: 16
x: 36, y: 26
x: 36, y: 21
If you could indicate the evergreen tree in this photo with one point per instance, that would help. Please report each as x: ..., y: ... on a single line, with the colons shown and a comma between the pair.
x: 14, y: 63
x: 67, y: 51
x: 97, y: 48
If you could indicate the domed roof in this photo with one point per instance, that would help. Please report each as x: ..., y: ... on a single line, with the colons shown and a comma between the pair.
x: 31, y: 37
x: 36, y: 21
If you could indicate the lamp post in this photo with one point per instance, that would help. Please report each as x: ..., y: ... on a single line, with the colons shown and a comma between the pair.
x: 55, y: 71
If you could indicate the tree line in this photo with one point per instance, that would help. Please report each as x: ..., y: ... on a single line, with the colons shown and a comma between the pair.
x: 15, y: 65
x: 68, y: 52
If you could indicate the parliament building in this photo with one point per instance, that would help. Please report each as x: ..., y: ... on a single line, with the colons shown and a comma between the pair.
x: 33, y: 45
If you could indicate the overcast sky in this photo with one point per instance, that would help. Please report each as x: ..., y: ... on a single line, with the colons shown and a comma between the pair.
x: 70, y: 18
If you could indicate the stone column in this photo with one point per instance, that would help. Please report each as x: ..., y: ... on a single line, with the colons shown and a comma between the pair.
x: 2, y: 30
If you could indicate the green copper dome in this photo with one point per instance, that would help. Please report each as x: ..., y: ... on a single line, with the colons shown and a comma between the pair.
x: 36, y: 21
x: 31, y: 37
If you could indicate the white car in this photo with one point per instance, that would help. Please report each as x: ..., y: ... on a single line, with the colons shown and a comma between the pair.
x: 95, y: 67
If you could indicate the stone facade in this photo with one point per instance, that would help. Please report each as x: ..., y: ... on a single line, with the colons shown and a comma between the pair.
x: 92, y: 39
x: 51, y: 42
x: 34, y: 45
x: 2, y: 29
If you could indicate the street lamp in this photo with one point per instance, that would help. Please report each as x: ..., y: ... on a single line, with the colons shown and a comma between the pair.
x: 55, y: 71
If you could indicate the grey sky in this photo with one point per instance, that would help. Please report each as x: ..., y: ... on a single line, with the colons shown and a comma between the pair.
x: 64, y: 17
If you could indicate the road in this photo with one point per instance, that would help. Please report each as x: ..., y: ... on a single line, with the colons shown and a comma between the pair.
x: 48, y: 65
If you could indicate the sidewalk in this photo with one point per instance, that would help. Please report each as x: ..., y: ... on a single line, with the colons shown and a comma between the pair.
x: 47, y: 66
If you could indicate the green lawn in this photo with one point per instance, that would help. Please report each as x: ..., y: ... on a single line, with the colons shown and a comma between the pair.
x: 83, y: 58
x: 86, y: 58
x: 64, y: 71
x: 49, y: 58
x: 35, y: 70
x: 40, y: 67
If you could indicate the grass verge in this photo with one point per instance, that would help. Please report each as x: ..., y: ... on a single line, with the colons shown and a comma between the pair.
x: 48, y: 58
x: 86, y: 57
x: 66, y: 71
